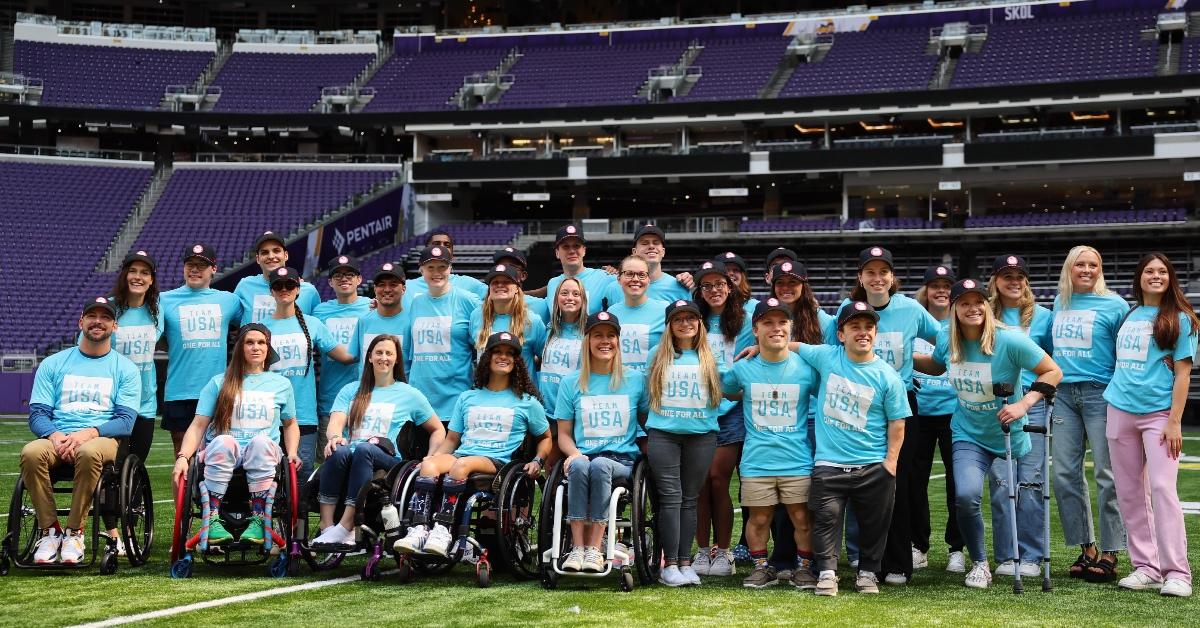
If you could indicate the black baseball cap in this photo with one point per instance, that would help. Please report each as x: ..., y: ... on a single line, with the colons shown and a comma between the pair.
x: 781, y: 252
x: 435, y: 253
x: 769, y: 305
x: 875, y: 253
x: 104, y: 303
x: 965, y: 286
x: 792, y: 269
x: 602, y: 318
x: 140, y: 256
x: 283, y: 274
x: 343, y: 262
x: 649, y: 230
x: 729, y: 257
x: 682, y: 305
x: 390, y: 269
x: 941, y: 271
x: 201, y: 250
x: 272, y: 356
x: 567, y: 232
x: 509, y: 252
x: 711, y: 267
x: 502, y: 270
x: 1005, y: 262
x: 502, y: 338
x: 856, y: 309
x: 267, y: 236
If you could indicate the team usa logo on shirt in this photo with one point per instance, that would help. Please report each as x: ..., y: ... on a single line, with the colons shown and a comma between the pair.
x: 876, y: 252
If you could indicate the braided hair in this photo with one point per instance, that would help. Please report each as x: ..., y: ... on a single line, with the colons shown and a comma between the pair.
x: 316, y: 367
x: 519, y: 380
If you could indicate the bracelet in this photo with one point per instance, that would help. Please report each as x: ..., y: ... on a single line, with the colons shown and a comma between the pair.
x: 182, y: 456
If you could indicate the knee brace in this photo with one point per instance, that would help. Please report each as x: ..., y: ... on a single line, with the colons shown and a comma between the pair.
x: 451, y: 490
x: 419, y: 504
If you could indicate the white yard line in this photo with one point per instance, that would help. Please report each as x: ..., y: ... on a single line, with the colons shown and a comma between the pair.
x: 149, y: 466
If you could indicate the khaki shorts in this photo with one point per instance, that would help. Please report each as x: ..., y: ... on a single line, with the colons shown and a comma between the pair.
x: 773, y: 490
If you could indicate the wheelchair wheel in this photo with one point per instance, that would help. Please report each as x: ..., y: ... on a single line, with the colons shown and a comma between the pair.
x: 22, y: 525
x: 137, y: 511
x: 647, y: 547
x: 546, y: 517
x: 308, y: 521
x: 518, y: 504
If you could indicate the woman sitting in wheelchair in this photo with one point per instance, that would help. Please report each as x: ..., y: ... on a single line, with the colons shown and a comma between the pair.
x: 237, y: 423
x: 372, y: 411
x: 597, y: 412
x: 489, y: 424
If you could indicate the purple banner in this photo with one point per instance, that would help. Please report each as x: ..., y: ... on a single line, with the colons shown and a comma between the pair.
x: 370, y: 227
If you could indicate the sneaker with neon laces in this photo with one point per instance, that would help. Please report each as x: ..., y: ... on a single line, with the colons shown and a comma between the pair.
x: 254, y: 532
x: 1140, y: 581
x: 217, y: 534
x: 335, y: 536
x: 72, y: 550
x: 866, y: 582
x: 702, y: 561
x: 920, y: 559
x: 1176, y: 587
x: 413, y: 542
x: 438, y: 542
x: 957, y: 563
x: 46, y: 550
x: 574, y: 561
x: 722, y: 564
x: 593, y: 560
x: 690, y: 574
x: 980, y: 576
x: 827, y: 584
x: 761, y: 578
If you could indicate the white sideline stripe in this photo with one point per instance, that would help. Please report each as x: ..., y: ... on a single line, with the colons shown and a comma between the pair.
x: 149, y: 466
x: 157, y: 501
x: 245, y: 597
x: 938, y: 476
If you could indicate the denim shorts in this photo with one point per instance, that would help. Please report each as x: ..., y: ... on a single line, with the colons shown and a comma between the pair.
x: 731, y: 427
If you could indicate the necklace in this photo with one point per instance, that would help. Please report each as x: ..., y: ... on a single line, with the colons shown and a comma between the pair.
x: 783, y: 380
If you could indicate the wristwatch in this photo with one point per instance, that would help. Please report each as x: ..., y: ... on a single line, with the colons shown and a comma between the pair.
x: 540, y: 460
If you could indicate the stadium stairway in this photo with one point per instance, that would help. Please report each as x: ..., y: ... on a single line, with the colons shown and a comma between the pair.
x: 132, y: 227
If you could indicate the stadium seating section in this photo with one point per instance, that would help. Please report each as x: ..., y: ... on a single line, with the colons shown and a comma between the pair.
x: 263, y: 82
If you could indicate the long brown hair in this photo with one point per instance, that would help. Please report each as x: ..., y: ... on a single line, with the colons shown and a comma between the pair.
x: 121, y: 292
x: 1174, y: 303
x: 231, y: 386
x: 366, y: 384
x: 518, y: 381
x: 806, y: 325
x: 733, y: 317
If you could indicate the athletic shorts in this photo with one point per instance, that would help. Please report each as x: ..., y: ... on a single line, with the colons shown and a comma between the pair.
x: 177, y: 415
x: 777, y: 489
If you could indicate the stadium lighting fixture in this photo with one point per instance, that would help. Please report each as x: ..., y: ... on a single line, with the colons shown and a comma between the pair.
x: 876, y: 127
x: 1079, y: 117
x: 808, y: 129
x: 941, y: 124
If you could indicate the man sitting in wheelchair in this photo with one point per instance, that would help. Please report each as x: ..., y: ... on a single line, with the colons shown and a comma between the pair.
x: 490, y: 421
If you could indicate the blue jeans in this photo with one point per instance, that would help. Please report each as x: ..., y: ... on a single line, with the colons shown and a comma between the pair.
x: 1031, y: 525
x: 1080, y: 419
x: 589, y: 486
x: 971, y: 464
x: 351, y: 465
x: 307, y: 453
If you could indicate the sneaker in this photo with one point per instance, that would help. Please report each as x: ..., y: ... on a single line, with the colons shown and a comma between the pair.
x: 854, y: 564
x: 1006, y: 568
x: 760, y: 578
x: 722, y: 564
x: 1174, y: 587
x: 980, y: 576
x: 784, y: 575
x: 1140, y: 581
x: 438, y: 541
x: 71, y: 551
x: 957, y: 563
x: 217, y: 534
x: 413, y: 542
x: 803, y: 579
x: 672, y: 577
x: 896, y: 579
x: 866, y: 582
x: 702, y: 560
x: 254, y: 532
x: 920, y: 559
x: 827, y: 584
x: 46, y: 552
x: 574, y: 560
x: 1030, y: 569
x: 120, y: 548
x: 335, y: 536
x: 690, y: 574
x: 593, y: 560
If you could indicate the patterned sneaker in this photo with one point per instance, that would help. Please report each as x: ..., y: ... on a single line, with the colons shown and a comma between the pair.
x: 593, y: 560
x: 71, y: 551
x: 827, y: 584
x: 702, y: 560
x: 46, y: 552
x: 980, y: 576
x: 217, y: 534
x: 413, y: 542
x: 722, y: 564
x: 439, y: 540
x: 760, y: 578
x: 574, y: 561
x: 866, y: 582
x: 254, y: 532
x: 920, y: 559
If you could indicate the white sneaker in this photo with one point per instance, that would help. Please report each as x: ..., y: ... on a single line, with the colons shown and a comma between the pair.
x: 335, y: 536
x: 1140, y: 581
x: 702, y: 561
x: 574, y: 561
x: 46, y: 552
x: 690, y: 574
x: 895, y: 578
x: 920, y: 559
x: 413, y: 542
x: 593, y: 560
x: 438, y: 541
x: 854, y: 565
x: 1030, y: 569
x: 672, y: 577
x: 980, y: 576
x: 722, y: 564
x: 1174, y: 587
x: 957, y: 563
x: 1007, y: 568
x: 71, y: 551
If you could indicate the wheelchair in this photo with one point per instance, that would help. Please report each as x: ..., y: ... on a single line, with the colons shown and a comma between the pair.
x: 371, y: 532
x: 497, y: 514
x: 630, y: 541
x: 279, y: 519
x: 123, y: 500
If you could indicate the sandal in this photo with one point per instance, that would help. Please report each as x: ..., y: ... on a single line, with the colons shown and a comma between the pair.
x: 1080, y: 567
x: 1102, y: 570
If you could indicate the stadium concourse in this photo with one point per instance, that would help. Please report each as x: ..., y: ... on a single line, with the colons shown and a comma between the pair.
x: 867, y: 173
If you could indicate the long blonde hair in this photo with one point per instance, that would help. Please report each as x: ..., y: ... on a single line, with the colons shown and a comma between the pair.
x: 664, y: 358
x: 518, y: 313
x: 1064, y: 278
x: 557, y: 324
x: 987, y: 340
x: 585, y: 367
x: 1027, y: 303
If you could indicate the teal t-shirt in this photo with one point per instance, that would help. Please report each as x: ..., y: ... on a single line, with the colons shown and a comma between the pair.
x: 342, y: 322
x: 684, y: 407
x: 1038, y: 331
x: 467, y: 283
x: 725, y: 350
x: 974, y: 418
x: 1084, y: 337
x: 136, y: 334
x: 595, y: 285
x: 856, y: 402
x: 538, y: 306
x: 258, y: 305
x: 560, y: 358
x: 532, y: 341
x: 935, y: 396
x: 265, y: 403
x: 603, y: 420
x: 641, y: 327
x: 287, y: 339
x: 494, y: 424
x: 197, y: 328
x: 901, y: 321
x: 775, y: 403
x: 440, y: 348
x: 82, y: 391
x: 387, y: 412
x: 666, y: 288
x: 1144, y: 374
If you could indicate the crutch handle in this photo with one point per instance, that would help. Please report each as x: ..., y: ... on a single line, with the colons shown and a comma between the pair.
x: 1005, y: 427
x: 1035, y: 429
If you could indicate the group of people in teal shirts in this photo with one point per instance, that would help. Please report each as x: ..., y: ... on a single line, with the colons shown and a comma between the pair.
x: 830, y: 420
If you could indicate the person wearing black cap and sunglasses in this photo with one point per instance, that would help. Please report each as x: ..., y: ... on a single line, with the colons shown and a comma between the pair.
x: 270, y: 254
x: 239, y: 420
x: 978, y: 354
x: 83, y: 399
x: 505, y: 309
x: 442, y: 238
x: 196, y: 318
x: 861, y: 412
x: 340, y: 315
x: 570, y: 249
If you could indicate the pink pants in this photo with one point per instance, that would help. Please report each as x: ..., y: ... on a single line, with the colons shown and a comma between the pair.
x: 259, y: 458
x: 1145, y: 476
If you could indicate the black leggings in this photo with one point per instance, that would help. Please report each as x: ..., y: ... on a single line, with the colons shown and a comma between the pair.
x: 142, y: 437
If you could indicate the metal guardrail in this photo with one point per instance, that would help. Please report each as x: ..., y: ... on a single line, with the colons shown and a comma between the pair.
x: 319, y: 158
x: 51, y: 151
